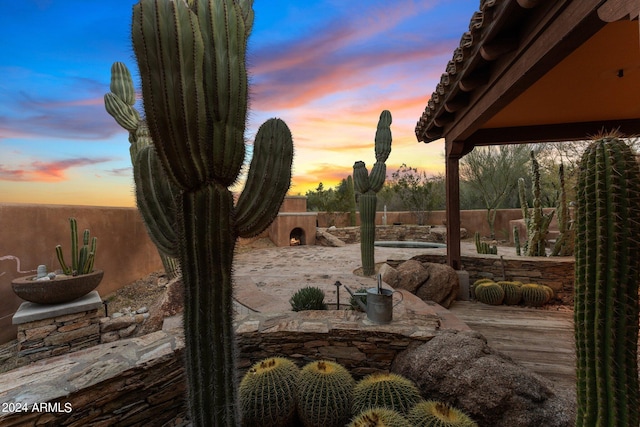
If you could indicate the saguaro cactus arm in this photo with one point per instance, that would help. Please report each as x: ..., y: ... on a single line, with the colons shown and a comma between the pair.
x: 268, y: 179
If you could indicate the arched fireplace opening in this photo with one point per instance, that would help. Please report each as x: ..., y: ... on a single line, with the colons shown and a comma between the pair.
x: 296, y: 237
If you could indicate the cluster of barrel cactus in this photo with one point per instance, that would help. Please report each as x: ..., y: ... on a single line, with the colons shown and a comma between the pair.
x: 607, y: 273
x: 192, y: 63
x: 506, y: 292
x: 368, y: 185
x: 274, y: 393
x: 81, y: 259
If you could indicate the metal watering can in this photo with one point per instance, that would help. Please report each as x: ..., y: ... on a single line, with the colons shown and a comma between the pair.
x: 379, y: 306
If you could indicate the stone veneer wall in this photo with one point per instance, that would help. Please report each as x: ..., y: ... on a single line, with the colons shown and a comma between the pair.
x: 555, y: 272
x: 41, y: 339
x: 135, y: 380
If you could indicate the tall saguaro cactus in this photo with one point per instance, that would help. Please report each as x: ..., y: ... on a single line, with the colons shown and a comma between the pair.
x: 192, y: 56
x: 368, y: 186
x: 606, y: 285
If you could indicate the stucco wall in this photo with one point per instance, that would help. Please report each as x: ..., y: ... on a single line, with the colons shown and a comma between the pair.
x: 30, y: 233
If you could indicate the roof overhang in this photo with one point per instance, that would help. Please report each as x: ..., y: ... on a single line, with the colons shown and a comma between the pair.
x: 539, y: 70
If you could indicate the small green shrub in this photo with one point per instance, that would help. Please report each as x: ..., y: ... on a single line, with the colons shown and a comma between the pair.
x: 308, y: 298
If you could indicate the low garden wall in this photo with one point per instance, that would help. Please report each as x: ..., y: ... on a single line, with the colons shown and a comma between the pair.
x: 131, y: 381
x: 418, y: 233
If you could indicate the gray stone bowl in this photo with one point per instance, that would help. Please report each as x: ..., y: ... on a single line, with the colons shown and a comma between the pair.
x: 58, y: 290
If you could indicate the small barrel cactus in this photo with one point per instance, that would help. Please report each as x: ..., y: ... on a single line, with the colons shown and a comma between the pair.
x: 437, y: 414
x: 389, y: 391
x: 512, y: 292
x: 308, y: 298
x: 325, y: 394
x: 489, y: 293
x: 268, y: 393
x: 380, y: 417
x: 535, y: 295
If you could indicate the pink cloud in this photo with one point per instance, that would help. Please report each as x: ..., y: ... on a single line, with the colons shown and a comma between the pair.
x: 54, y: 171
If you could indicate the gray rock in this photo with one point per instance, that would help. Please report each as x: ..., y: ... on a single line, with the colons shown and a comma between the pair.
x: 441, y: 287
x: 412, y: 275
x: 461, y: 369
x: 428, y: 281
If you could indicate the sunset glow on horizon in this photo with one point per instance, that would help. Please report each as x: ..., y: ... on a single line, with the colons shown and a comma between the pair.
x: 326, y: 67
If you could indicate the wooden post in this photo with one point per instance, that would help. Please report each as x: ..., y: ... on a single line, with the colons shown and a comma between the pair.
x: 453, y: 209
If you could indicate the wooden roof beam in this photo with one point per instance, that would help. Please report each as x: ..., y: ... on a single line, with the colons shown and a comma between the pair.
x: 617, y: 10
x: 553, y: 132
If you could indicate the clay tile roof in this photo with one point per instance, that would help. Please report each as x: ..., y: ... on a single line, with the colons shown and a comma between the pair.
x: 484, y: 25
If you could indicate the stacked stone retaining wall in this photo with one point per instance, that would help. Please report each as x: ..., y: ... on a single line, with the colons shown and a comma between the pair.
x: 133, y: 381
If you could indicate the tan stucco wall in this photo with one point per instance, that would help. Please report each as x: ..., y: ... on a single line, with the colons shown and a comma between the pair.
x: 30, y: 233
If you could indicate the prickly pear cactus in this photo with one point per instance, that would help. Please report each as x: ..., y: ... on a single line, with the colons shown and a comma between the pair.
x: 192, y: 61
x: 368, y: 186
x: 606, y: 285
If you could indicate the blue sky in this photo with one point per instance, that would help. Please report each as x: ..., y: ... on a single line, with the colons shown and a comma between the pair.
x: 326, y: 67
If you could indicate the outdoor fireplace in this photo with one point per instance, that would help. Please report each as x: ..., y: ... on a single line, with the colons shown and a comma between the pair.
x: 294, y: 225
x: 296, y: 237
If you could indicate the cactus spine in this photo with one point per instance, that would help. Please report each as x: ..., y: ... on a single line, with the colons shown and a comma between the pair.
x: 325, y: 394
x: 192, y: 60
x: 535, y: 219
x: 368, y: 186
x: 155, y: 194
x: 606, y: 285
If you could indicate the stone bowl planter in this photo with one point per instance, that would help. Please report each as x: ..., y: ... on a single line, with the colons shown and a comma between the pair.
x: 58, y: 290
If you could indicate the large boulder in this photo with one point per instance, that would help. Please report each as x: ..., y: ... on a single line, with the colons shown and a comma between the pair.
x: 324, y: 238
x: 461, y: 369
x: 430, y: 282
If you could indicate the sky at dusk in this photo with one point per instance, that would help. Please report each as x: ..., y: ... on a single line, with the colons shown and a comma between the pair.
x: 326, y: 67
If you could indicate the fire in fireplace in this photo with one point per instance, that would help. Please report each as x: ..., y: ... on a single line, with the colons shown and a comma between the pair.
x: 296, y: 237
